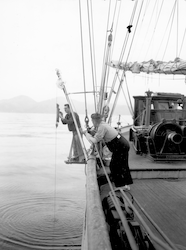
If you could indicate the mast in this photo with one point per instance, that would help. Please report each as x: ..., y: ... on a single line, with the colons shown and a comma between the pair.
x: 102, y: 96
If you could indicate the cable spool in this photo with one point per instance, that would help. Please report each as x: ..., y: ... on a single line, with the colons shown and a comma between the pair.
x: 175, y: 137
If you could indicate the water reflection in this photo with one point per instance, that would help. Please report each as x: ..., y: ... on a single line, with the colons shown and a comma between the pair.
x: 40, y: 221
x: 42, y: 200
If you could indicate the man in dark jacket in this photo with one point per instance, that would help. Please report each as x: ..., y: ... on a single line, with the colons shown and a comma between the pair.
x: 78, y: 155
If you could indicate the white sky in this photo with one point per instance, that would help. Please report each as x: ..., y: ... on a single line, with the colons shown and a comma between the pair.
x: 38, y: 36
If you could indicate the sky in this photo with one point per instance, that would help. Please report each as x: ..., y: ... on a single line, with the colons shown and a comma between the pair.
x: 35, y: 40
x: 38, y: 36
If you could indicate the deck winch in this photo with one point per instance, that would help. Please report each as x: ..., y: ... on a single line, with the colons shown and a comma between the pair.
x: 159, y: 128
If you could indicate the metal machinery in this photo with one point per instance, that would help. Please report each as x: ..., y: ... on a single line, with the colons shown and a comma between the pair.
x: 118, y: 235
x: 159, y: 127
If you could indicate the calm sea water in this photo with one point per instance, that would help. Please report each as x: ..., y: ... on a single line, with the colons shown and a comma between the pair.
x: 42, y: 200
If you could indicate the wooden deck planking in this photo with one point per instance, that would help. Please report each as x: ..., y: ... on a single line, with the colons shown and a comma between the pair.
x: 165, y: 202
x: 160, y: 188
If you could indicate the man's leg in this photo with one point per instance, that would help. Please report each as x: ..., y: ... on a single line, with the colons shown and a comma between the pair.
x: 75, y: 146
x: 78, y: 146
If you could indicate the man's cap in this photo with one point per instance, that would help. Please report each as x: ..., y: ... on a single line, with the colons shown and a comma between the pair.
x: 96, y: 116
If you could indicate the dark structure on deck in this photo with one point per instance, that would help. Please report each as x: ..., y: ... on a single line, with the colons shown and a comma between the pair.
x: 159, y: 128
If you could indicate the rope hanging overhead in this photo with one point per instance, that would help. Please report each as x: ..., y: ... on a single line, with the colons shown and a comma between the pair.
x: 129, y: 29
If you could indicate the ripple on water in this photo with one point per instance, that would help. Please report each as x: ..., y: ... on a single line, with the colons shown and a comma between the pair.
x: 41, y: 223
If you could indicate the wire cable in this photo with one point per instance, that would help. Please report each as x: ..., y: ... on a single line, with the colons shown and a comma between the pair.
x: 117, y: 205
x: 134, y: 33
x: 182, y: 43
x: 122, y: 51
x: 154, y: 30
x: 177, y: 37
x: 172, y: 14
x: 94, y: 59
x: 82, y: 56
x: 91, y: 51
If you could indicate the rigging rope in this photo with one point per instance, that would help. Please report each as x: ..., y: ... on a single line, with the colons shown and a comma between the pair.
x: 127, y: 34
x: 106, y: 35
x: 121, y: 56
x: 130, y: 25
x: 182, y: 42
x: 55, y: 167
x: 94, y: 57
x: 107, y: 56
x: 131, y: 239
x: 155, y: 24
x: 110, y: 38
x: 123, y: 50
x: 177, y: 30
x: 55, y: 181
x: 128, y: 105
x: 137, y: 22
x: 102, y: 88
x: 117, y: 205
x: 172, y: 14
x: 91, y: 52
x: 129, y: 95
x: 82, y: 54
x: 164, y: 34
x: 113, y: 43
x: 149, y: 23
x: 115, y: 101
x: 104, y: 66
x: 111, y: 52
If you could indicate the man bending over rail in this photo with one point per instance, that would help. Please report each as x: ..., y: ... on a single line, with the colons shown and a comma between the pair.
x: 119, y: 147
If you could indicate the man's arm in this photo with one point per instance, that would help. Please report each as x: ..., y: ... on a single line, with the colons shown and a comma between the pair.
x: 63, y: 120
x: 98, y: 136
x: 67, y: 120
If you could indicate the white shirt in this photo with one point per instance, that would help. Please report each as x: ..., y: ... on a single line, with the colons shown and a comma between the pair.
x: 104, y: 132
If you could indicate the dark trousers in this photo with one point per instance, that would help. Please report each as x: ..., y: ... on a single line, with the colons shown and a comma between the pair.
x: 119, y: 163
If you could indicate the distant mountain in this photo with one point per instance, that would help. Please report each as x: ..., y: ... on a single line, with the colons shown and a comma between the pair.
x: 20, y: 104
x: 25, y: 104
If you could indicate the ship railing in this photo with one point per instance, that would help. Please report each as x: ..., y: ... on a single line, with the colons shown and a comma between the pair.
x: 166, y: 244
x: 124, y: 222
x: 95, y: 234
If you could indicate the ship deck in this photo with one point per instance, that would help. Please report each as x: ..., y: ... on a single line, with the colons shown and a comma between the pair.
x: 165, y: 202
x: 160, y: 189
x: 143, y: 167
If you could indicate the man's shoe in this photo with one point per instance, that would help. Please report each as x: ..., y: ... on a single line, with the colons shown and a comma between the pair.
x: 74, y: 159
x: 126, y: 187
x: 82, y: 161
